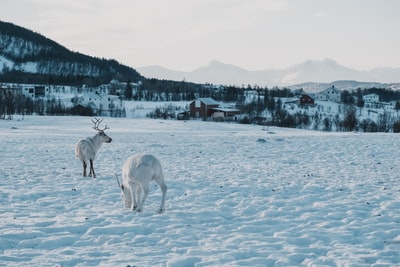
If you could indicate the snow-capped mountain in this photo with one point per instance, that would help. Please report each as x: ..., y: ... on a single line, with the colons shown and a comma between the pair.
x: 319, y: 71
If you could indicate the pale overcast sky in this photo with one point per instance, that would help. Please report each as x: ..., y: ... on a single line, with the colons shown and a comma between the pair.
x: 187, y: 34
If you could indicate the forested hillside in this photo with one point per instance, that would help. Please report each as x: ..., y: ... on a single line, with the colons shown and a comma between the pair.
x: 29, y: 57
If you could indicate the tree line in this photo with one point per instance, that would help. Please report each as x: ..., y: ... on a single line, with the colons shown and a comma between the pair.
x: 269, y: 104
x: 12, y: 103
x: 266, y: 108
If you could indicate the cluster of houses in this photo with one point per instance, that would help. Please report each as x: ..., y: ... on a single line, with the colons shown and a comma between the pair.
x: 208, y: 108
x: 82, y: 101
x: 333, y: 94
x: 96, y: 103
x: 105, y: 99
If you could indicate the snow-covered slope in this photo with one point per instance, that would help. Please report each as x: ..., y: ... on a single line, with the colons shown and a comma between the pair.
x: 25, y: 52
x: 5, y: 64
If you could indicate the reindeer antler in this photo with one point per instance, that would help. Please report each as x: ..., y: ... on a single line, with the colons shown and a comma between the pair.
x: 96, y: 123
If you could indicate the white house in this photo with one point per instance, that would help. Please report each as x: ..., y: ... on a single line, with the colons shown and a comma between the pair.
x: 330, y: 94
x: 104, y: 105
x: 371, y: 98
x: 116, y: 87
x: 34, y: 91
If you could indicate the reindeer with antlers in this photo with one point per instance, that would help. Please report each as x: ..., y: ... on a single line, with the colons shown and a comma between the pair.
x: 86, y: 149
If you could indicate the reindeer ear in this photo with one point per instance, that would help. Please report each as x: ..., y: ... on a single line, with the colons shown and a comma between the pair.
x: 122, y: 187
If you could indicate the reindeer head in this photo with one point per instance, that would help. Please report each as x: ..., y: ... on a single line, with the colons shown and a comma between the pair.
x: 125, y: 193
x: 105, y: 138
x: 126, y: 196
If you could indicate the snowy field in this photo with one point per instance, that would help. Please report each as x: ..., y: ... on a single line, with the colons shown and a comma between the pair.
x: 238, y: 195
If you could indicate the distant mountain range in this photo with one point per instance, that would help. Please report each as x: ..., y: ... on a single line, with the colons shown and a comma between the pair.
x: 28, y: 57
x: 316, y: 71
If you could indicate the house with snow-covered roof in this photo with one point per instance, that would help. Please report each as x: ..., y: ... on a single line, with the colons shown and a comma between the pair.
x: 104, y: 105
x: 209, y: 108
x: 330, y: 94
x: 201, y: 107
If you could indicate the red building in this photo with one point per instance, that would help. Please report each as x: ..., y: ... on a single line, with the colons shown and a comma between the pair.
x: 202, y: 107
x: 306, y: 100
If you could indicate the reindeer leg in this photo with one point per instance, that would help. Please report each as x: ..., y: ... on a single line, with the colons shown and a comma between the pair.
x: 84, y: 168
x: 146, y: 191
x: 133, y: 195
x: 164, y: 192
x: 91, y: 173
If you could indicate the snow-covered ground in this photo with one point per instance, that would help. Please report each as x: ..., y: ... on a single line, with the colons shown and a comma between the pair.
x: 238, y: 195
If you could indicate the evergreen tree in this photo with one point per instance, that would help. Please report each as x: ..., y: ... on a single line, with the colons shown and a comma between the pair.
x: 128, y: 91
x: 350, y: 119
x: 360, y: 100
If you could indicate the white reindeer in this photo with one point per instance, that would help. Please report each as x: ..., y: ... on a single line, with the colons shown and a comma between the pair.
x: 86, y: 149
x: 137, y: 172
